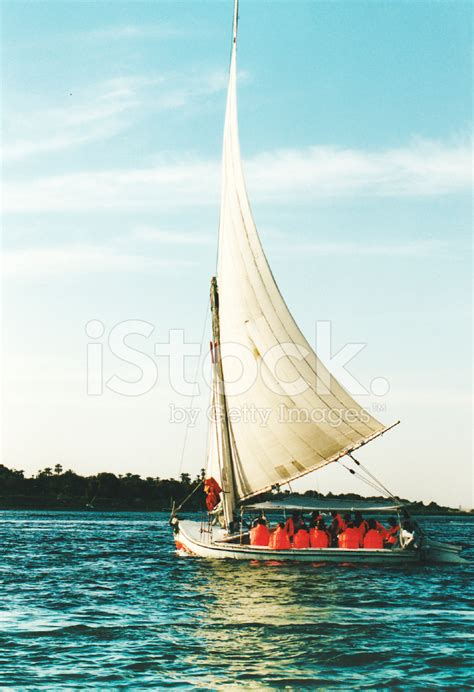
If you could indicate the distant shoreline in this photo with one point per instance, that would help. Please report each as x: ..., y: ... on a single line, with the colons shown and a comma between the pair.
x: 54, y: 489
x: 108, y: 505
x: 122, y: 510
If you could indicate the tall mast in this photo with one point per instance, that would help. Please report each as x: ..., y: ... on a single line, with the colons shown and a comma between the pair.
x: 220, y: 426
x: 236, y: 21
x: 220, y: 414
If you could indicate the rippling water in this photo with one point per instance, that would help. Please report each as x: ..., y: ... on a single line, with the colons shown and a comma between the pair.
x: 101, y: 600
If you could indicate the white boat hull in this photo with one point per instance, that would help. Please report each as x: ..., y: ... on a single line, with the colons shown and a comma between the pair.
x: 193, y: 538
x: 434, y: 551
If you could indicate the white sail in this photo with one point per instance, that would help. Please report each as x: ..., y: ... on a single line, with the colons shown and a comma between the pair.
x: 293, y: 416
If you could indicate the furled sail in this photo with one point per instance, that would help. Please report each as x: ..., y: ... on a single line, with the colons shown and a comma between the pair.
x: 286, y: 414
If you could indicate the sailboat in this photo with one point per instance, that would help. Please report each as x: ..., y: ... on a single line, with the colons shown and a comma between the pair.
x: 262, y: 362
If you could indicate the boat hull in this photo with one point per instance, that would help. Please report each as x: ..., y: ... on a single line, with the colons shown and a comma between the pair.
x: 434, y: 551
x: 192, y: 539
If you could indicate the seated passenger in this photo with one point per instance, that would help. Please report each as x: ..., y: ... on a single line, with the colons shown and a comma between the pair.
x: 290, y: 525
x: 259, y: 534
x: 391, y: 533
x: 337, y: 527
x: 415, y: 528
x: 315, y: 517
x: 380, y: 527
x: 362, y: 525
x: 261, y: 517
x: 407, y: 535
x: 318, y: 535
x: 257, y: 519
x: 293, y: 523
x: 373, y: 538
x: 301, y: 538
x: 279, y: 539
x: 350, y: 537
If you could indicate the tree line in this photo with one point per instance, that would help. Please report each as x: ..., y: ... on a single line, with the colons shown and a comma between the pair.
x: 54, y: 488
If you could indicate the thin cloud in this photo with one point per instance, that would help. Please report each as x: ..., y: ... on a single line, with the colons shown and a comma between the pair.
x: 159, y: 236
x: 79, y: 260
x: 25, y: 148
x: 134, y: 31
x: 419, y: 170
x: 103, y: 111
x: 165, y: 186
x: 97, y: 113
x: 415, y: 248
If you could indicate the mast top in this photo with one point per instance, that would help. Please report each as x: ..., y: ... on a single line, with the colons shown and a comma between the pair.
x: 236, y: 22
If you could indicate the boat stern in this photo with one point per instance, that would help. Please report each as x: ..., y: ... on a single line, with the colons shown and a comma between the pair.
x: 435, y: 551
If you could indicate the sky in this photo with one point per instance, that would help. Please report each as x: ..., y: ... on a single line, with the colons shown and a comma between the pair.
x: 355, y: 127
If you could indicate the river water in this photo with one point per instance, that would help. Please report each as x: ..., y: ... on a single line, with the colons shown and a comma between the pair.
x: 101, y: 600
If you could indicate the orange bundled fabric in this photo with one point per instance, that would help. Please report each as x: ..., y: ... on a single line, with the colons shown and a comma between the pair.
x: 213, y: 491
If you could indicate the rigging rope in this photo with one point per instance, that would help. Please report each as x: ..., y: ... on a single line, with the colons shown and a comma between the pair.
x: 376, y: 487
x: 371, y: 475
x: 176, y: 510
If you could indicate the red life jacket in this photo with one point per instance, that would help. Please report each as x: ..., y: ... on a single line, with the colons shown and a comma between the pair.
x: 280, y: 539
x: 259, y: 535
x: 350, y: 538
x: 290, y: 527
x: 380, y: 528
x: 319, y: 538
x: 391, y: 534
x: 338, y: 524
x: 301, y: 539
x: 373, y: 539
x: 363, y: 528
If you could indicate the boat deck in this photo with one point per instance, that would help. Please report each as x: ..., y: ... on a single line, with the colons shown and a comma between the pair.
x: 216, y: 544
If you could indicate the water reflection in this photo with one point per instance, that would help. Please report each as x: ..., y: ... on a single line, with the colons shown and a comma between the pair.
x: 265, y: 593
